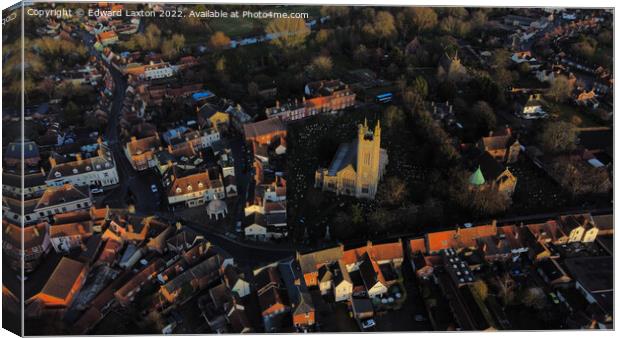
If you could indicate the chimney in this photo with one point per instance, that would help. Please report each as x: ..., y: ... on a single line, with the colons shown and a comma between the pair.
x: 52, y: 161
x: 491, y: 133
x: 78, y: 158
x: 134, y: 139
x: 36, y: 231
x: 450, y: 109
x: 170, y: 148
x: 178, y: 225
x: 277, y: 103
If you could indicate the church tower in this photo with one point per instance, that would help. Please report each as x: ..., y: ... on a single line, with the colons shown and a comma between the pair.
x: 368, y: 160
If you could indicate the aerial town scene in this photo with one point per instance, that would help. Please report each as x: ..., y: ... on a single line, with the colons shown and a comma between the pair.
x: 201, y: 169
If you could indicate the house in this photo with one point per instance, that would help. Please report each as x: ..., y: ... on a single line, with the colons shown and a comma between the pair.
x: 64, y: 283
x: 97, y: 170
x: 110, y: 251
x: 536, y: 250
x: 548, y: 232
x: 593, y: 277
x: 422, y: 266
x: 209, y: 116
x: 13, y: 160
x: 66, y: 237
x: 107, y: 38
x: 192, y: 188
x: 304, y: 312
x: 334, y: 278
x: 323, y: 96
x: 357, y: 166
x: 141, y: 153
x: 194, y: 279
x: 235, y: 281
x: 551, y: 272
x: 255, y: 226
x: 531, y: 107
x: 56, y: 200
x: 579, y: 228
x: 183, y: 240
x: 34, y: 184
x: 311, y: 262
x: 272, y: 295
x: 502, y: 146
x: 160, y: 70
x: 372, y: 277
x: 24, y: 246
x: 127, y: 292
x: 264, y: 132
x: 491, y: 174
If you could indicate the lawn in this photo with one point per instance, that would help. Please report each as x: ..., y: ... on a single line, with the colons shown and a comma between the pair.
x: 238, y: 27
x: 567, y: 112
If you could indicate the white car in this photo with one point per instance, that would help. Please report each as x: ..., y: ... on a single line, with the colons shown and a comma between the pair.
x: 368, y: 323
x: 96, y: 191
x: 153, y: 188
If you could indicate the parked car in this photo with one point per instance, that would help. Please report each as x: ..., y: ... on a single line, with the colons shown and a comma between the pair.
x: 96, y: 191
x: 153, y: 188
x: 368, y: 323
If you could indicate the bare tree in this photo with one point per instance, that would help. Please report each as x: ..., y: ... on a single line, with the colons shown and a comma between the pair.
x: 289, y: 33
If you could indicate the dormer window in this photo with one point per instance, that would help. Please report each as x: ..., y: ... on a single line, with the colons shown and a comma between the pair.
x: 189, y: 188
x: 98, y: 166
x: 200, y: 185
x: 75, y: 171
x: 88, y: 168
x: 57, y: 174
x: 178, y: 190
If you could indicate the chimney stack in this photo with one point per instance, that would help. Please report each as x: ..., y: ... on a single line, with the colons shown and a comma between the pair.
x: 52, y: 161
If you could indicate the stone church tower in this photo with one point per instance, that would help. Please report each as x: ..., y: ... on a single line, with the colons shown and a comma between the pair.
x: 368, y: 160
x: 357, y: 167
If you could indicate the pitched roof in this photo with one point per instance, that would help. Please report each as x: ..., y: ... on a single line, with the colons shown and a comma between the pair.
x: 139, y: 146
x: 62, y: 279
x: 71, y: 229
x: 477, y: 178
x: 417, y: 245
x: 64, y: 194
x: 309, y: 262
x: 441, y: 240
x: 264, y: 127
x: 33, y: 235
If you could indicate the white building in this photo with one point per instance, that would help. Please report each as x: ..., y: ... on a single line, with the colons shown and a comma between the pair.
x: 158, y: 71
x: 97, y: 170
x: 65, y: 198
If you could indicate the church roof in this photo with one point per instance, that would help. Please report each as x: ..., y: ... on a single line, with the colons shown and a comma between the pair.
x: 491, y: 169
x: 345, y: 155
x: 477, y: 178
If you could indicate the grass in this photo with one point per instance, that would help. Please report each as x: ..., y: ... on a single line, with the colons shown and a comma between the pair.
x: 567, y: 112
x: 237, y: 27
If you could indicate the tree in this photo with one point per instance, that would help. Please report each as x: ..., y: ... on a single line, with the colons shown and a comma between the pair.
x: 579, y: 178
x: 506, y: 288
x: 320, y: 67
x: 420, y: 86
x: 393, y: 117
x: 488, y: 202
x: 557, y: 137
x: 382, y: 27
x: 483, y: 116
x: 219, y: 41
x: 323, y: 36
x: 289, y: 33
x: 357, y: 217
x: 393, y: 191
x: 424, y: 18
x: 561, y: 89
x: 534, y: 297
x: 481, y: 288
x: 342, y: 226
x: 170, y: 48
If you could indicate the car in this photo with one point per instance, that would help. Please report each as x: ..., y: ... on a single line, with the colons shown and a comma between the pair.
x: 238, y: 227
x: 368, y: 323
x: 96, y: 191
x: 153, y: 188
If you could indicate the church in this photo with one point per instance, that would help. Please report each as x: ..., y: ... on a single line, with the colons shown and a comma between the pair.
x: 357, y: 166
